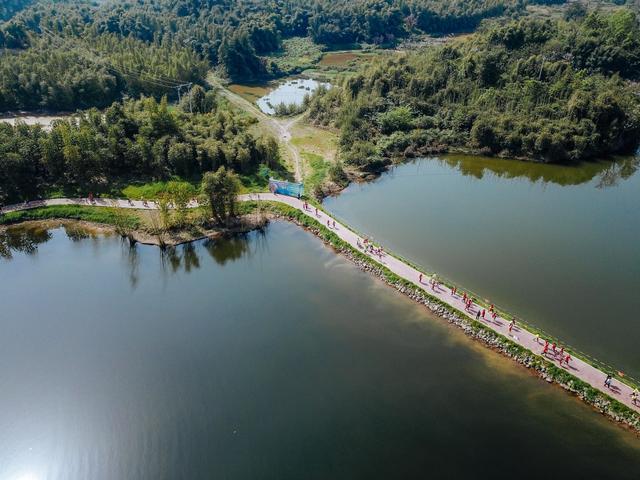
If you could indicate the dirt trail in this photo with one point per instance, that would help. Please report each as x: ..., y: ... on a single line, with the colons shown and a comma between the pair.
x: 281, y: 128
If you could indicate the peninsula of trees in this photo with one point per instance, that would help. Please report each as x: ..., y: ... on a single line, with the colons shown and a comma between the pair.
x: 552, y: 91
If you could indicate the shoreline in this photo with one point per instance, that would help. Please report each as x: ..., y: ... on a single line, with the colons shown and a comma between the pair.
x: 247, y: 224
x: 537, y: 365
x: 587, y: 388
x: 360, y: 177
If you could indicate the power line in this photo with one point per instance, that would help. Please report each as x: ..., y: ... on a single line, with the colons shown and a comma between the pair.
x: 159, y: 81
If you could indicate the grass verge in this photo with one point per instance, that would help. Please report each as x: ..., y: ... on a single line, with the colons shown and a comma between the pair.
x: 318, y: 170
x: 105, y: 215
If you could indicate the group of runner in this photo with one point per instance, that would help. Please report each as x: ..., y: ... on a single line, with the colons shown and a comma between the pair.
x: 635, y: 394
x: 481, y: 314
x: 555, y: 351
x: 468, y: 304
x: 434, y: 282
x: 371, y: 249
x: 307, y: 208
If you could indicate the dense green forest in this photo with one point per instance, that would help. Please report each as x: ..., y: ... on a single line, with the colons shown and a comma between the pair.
x: 553, y: 91
x: 9, y: 8
x: 133, y: 139
x: 72, y: 54
x: 63, y: 76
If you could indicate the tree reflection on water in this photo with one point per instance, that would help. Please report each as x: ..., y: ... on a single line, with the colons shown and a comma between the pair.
x: 186, y: 257
x: 228, y: 249
x: 616, y: 171
x: 181, y: 257
x: 606, y: 173
x: 22, y: 240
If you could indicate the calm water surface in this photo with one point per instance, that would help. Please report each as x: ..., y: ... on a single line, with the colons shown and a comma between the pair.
x: 265, y: 357
x: 291, y: 92
x: 558, y: 246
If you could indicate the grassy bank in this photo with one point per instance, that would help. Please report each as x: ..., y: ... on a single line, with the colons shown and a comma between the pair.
x: 104, y: 215
x: 297, y: 55
x: 317, y: 170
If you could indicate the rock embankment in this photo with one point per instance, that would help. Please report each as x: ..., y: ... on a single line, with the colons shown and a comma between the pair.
x: 541, y: 367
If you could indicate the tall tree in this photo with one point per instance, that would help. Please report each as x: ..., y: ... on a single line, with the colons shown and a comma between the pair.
x: 221, y: 189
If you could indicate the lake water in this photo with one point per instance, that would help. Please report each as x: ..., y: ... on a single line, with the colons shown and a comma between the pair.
x: 261, y: 357
x: 291, y: 92
x: 558, y: 246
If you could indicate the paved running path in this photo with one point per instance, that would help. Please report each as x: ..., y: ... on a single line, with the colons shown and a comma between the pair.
x: 519, y: 335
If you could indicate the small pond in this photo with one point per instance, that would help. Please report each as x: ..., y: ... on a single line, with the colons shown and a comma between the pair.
x: 291, y: 92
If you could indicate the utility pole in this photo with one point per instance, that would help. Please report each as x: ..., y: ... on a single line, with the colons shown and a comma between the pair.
x: 179, y: 88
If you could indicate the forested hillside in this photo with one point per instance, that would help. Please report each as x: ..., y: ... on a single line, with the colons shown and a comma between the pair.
x: 8, y: 8
x: 174, y: 35
x: 66, y: 75
x: 553, y: 91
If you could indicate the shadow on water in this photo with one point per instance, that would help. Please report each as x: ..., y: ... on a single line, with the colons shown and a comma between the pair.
x: 132, y: 255
x: 606, y: 173
x: 181, y: 257
x: 27, y: 238
x: 616, y: 171
x: 22, y: 240
x: 234, y: 248
x: 190, y: 257
x: 222, y: 251
x: 186, y: 257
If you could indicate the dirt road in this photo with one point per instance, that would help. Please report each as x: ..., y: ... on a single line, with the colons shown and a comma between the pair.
x: 280, y: 128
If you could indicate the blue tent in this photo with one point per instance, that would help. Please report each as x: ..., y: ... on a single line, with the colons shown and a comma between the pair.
x: 283, y: 187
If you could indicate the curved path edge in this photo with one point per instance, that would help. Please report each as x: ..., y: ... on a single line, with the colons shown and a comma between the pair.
x: 519, y: 335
